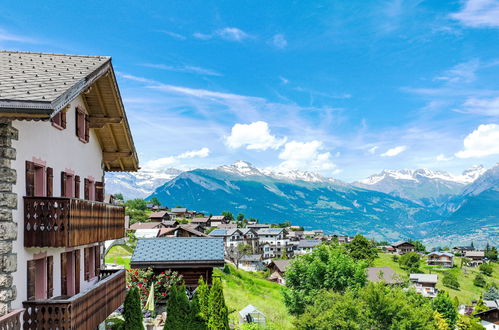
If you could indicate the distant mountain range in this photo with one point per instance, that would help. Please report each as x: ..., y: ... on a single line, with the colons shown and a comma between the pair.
x: 423, y: 204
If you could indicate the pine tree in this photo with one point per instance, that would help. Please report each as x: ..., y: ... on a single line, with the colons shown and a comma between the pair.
x: 177, y: 310
x: 132, y: 312
x: 196, y: 321
x: 218, y: 313
x: 203, y: 295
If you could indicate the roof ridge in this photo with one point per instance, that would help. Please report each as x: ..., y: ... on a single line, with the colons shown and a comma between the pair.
x: 54, y: 54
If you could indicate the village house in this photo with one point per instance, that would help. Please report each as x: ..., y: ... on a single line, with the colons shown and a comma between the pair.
x: 203, y: 222
x: 277, y: 270
x: 251, y: 262
x: 217, y: 220
x: 489, y: 319
x: 306, y: 246
x: 236, y: 236
x: 170, y: 223
x: 425, y: 284
x: 62, y: 126
x: 476, y: 258
x: 462, y: 249
x: 159, y: 216
x: 180, y: 213
x: 274, y: 243
x: 190, y: 257
x: 146, y: 225
x: 403, y: 247
x: 257, y: 226
x: 439, y: 258
x: 180, y: 231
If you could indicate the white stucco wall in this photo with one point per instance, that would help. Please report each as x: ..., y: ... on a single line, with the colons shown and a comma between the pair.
x: 61, y: 150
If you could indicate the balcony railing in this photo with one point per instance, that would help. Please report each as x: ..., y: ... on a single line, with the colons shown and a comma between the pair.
x: 85, y: 310
x: 69, y: 222
x: 11, y: 321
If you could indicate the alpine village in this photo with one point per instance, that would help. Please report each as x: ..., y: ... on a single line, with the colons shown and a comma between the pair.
x: 80, y: 250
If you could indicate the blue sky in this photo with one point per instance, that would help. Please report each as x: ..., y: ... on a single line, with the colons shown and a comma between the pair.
x: 344, y: 88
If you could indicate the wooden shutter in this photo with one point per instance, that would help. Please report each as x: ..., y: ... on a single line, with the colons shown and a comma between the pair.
x: 30, y: 178
x: 77, y: 186
x: 50, y: 182
x: 64, y: 274
x: 63, y: 119
x: 86, y: 188
x: 77, y: 122
x: 50, y: 276
x: 77, y: 271
x: 97, y: 260
x: 99, y: 191
x: 86, y: 263
x: 87, y: 126
x: 63, y: 184
x: 31, y: 279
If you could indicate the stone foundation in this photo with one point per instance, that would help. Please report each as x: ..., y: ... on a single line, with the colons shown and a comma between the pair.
x: 8, y: 228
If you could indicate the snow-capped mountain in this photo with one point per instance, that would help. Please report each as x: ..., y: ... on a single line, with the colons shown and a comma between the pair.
x: 424, y: 186
x: 138, y: 184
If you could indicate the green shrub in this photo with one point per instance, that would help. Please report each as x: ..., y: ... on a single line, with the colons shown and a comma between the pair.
x: 177, y: 309
x: 218, y: 312
x: 132, y: 311
x: 226, y: 269
x: 450, y: 281
x: 115, y: 324
x: 410, y: 262
x: 486, y: 269
x: 479, y: 281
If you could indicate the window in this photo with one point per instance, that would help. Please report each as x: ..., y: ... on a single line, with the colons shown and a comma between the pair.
x: 67, y: 184
x: 38, y: 179
x: 82, y: 126
x: 92, y: 262
x: 59, y: 120
x: 70, y: 273
x: 40, y: 278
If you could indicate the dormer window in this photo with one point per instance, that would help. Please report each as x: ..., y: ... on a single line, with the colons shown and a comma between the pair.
x: 82, y: 127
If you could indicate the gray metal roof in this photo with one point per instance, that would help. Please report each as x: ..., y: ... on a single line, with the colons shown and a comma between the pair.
x: 40, y: 82
x: 308, y: 243
x: 270, y: 231
x: 219, y: 232
x: 424, y: 278
x: 178, y: 250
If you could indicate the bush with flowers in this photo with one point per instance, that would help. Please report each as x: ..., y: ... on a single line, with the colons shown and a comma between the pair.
x: 143, y: 278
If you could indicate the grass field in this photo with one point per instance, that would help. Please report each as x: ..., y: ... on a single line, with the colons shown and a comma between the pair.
x: 119, y: 254
x: 467, y: 291
x: 242, y: 288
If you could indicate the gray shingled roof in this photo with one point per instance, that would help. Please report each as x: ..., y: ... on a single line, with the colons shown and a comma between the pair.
x: 178, y: 251
x: 42, y: 83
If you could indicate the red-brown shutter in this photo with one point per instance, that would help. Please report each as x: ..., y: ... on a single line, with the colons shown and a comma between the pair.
x: 63, y: 119
x: 86, y: 188
x: 30, y: 178
x: 87, y: 131
x: 77, y: 186
x: 50, y: 276
x: 63, y: 184
x: 50, y: 182
x: 31, y: 279
x: 86, y: 263
x: 77, y: 271
x: 77, y: 122
x: 97, y: 260
x: 64, y: 274
x: 99, y: 191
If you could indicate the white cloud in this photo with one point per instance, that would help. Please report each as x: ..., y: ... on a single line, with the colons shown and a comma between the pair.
x: 279, y: 41
x: 255, y: 136
x: 463, y: 72
x: 443, y: 158
x: 228, y: 33
x: 184, y: 68
x: 394, y: 151
x: 372, y: 150
x: 6, y: 36
x: 483, y: 141
x: 173, y: 34
x: 487, y: 107
x: 305, y: 156
x: 478, y: 13
x: 165, y: 162
x: 284, y: 80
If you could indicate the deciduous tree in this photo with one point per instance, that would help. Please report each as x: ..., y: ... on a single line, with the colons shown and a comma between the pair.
x: 443, y: 304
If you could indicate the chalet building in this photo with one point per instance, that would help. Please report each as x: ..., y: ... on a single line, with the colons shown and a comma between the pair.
x: 181, y: 231
x: 489, y: 319
x: 251, y: 263
x: 403, y: 247
x: 217, y: 220
x: 277, y: 270
x: 257, y: 226
x: 147, y: 225
x: 306, y: 246
x: 180, y: 213
x: 159, y: 216
x: 462, y: 249
x: 234, y: 237
x: 170, y: 223
x: 204, y: 222
x: 275, y: 243
x: 62, y: 126
x: 438, y: 258
x: 191, y: 257
x: 425, y: 284
x: 476, y: 258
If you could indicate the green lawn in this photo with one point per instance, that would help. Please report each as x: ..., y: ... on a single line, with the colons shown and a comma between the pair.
x: 119, y: 254
x: 242, y: 288
x: 467, y: 291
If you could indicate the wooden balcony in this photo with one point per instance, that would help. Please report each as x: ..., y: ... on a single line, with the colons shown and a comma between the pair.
x: 11, y: 321
x: 69, y: 222
x: 85, y: 310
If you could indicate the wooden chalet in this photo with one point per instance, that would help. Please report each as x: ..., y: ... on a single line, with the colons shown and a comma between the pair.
x: 159, y: 216
x: 403, y: 247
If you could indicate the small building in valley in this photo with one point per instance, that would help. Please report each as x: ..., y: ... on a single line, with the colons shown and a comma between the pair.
x: 476, y: 258
x: 159, y: 216
x: 440, y: 258
x: 277, y: 270
x: 425, y: 284
x: 191, y: 257
x: 403, y: 247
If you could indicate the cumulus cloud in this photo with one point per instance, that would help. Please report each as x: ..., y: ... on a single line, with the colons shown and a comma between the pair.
x: 394, y: 151
x: 305, y: 156
x: 279, y: 41
x: 478, y: 13
x: 228, y: 33
x: 372, y: 150
x: 255, y: 136
x: 165, y: 162
x: 483, y: 141
x: 487, y: 107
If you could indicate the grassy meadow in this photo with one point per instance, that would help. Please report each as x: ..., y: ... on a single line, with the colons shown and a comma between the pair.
x: 120, y: 255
